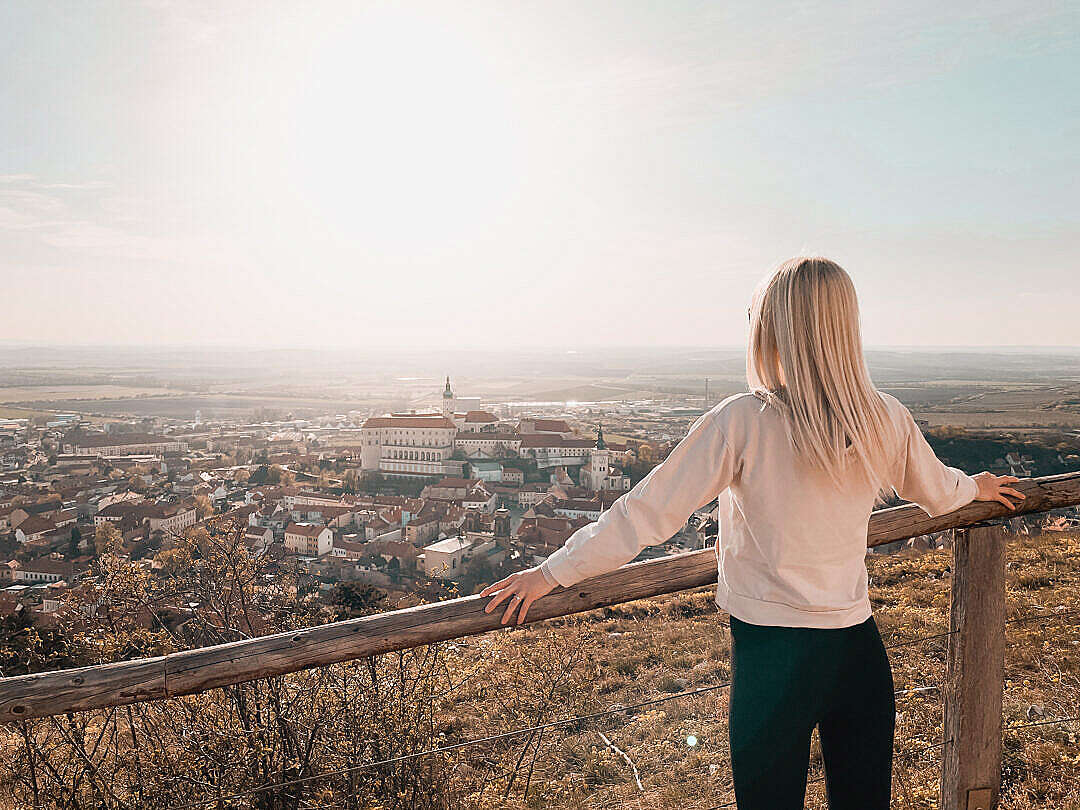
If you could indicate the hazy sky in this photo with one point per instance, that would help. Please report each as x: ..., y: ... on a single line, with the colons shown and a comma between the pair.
x: 527, y: 173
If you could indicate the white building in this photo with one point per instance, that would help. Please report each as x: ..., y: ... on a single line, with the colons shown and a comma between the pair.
x: 532, y: 494
x: 421, y: 444
x: 479, y: 498
x: 121, y: 444
x: 487, y: 444
x: 408, y: 444
x: 172, y: 518
x: 258, y: 538
x: 479, y: 422
x: 308, y: 540
x: 554, y: 450
x: 577, y: 508
x: 350, y: 550
x: 43, y: 570
x: 447, y: 558
x: 413, y: 444
x: 598, y: 474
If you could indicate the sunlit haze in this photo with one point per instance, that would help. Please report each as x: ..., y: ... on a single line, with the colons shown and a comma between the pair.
x: 507, y: 174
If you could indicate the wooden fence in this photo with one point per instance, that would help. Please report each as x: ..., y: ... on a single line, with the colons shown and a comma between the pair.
x: 973, y: 695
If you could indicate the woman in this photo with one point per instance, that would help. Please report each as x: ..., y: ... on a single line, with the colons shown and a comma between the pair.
x: 799, y: 462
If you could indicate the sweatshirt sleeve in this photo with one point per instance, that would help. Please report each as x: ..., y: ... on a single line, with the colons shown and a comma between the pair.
x: 696, y: 471
x: 923, y: 479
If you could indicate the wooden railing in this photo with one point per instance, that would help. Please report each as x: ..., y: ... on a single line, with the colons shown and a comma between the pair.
x: 972, y: 712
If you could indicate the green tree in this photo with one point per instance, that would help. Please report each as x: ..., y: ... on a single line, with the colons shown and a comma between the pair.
x: 478, y: 571
x: 356, y: 598
x: 351, y: 481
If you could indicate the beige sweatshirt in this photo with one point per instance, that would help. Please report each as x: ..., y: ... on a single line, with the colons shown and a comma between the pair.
x: 792, y: 547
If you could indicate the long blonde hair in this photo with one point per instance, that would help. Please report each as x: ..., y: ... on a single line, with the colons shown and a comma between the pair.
x: 805, y: 355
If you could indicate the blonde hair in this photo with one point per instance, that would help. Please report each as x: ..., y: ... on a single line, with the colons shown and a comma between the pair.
x: 805, y: 356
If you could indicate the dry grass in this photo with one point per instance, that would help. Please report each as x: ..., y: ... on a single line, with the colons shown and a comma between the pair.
x: 642, y: 650
x: 603, y: 661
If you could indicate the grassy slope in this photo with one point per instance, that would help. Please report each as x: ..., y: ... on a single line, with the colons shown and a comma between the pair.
x: 651, y: 648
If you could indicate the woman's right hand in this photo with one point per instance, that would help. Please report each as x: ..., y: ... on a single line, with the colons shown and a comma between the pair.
x: 522, y: 589
x: 992, y: 488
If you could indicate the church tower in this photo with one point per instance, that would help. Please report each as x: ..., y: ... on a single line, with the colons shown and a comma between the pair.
x: 598, y: 462
x: 448, y: 401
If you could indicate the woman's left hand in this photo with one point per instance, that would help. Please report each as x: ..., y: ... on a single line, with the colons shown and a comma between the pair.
x: 521, y: 589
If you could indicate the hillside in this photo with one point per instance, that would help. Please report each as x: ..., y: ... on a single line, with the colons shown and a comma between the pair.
x: 631, y: 653
x: 307, y: 737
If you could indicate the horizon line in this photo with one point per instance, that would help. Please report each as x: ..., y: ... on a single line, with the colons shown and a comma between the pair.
x: 564, y: 349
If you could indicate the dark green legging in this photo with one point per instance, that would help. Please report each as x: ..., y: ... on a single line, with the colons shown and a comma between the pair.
x: 785, y: 681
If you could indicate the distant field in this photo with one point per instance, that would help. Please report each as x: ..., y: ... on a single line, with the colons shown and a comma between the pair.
x: 211, y: 405
x: 964, y: 402
x: 44, y: 394
x: 19, y: 413
x: 593, y: 392
x: 1001, y: 419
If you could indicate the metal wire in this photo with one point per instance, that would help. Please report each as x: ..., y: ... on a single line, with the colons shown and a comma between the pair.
x: 1043, y: 723
x: 1064, y: 614
x: 463, y: 744
x: 822, y: 777
x: 610, y: 712
x: 565, y: 722
x: 1018, y: 620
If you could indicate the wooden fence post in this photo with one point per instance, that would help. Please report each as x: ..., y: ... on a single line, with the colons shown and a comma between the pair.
x: 971, y: 758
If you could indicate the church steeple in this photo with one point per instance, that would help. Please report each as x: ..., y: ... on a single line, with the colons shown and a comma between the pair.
x: 449, y: 403
x: 600, y: 438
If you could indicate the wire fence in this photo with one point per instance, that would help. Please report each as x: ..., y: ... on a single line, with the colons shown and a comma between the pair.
x: 622, y: 709
x: 1047, y: 615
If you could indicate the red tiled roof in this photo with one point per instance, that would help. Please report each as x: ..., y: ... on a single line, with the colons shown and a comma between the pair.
x: 306, y: 531
x: 117, y: 439
x: 457, y: 483
x: 579, y: 504
x: 552, y: 440
x: 47, y: 565
x: 432, y: 420
x: 347, y: 545
x: 36, y: 525
x: 552, y: 425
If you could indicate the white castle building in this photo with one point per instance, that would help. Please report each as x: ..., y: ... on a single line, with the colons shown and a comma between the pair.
x: 421, y: 444
x: 416, y: 444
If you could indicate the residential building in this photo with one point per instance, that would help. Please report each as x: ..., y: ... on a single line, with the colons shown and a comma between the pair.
x: 33, y: 529
x: 79, y: 443
x: 446, y: 559
x: 308, y: 540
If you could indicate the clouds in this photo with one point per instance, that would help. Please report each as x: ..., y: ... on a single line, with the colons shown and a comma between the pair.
x: 71, y: 222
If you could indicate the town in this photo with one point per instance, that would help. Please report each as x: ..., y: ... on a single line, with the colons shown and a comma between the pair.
x: 406, y: 505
